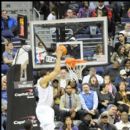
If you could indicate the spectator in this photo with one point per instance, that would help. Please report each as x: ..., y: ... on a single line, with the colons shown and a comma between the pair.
x: 8, y: 57
x: 113, y: 70
x: 89, y: 100
x: 99, y: 56
x: 105, y: 98
x: 99, y: 49
x: 8, y: 25
x: 126, y: 67
x: 110, y: 49
x: 74, y: 86
x: 28, y: 125
x: 122, y: 97
x: 92, y: 30
x: 117, y: 10
x: 126, y: 6
x: 122, y: 41
x: 62, y: 7
x: 4, y: 87
x: 122, y: 77
x: 112, y: 113
x: 53, y: 7
x: 68, y: 124
x: 88, y: 123
x: 126, y: 17
x: 126, y: 30
x: 118, y: 115
x: 57, y: 93
x: 127, y: 47
x: 103, y: 10
x: 42, y: 7
x: 123, y: 122
x: 70, y: 104
x: 51, y: 16
x: 94, y: 85
x: 70, y: 14
x: 84, y: 11
x: 104, y: 122
x: 75, y: 5
x: 3, y: 102
x: 63, y: 78
x: 111, y: 87
x: 9, y: 54
x: 128, y: 13
x: 92, y: 5
x: 73, y: 51
x: 92, y: 71
x: 120, y: 55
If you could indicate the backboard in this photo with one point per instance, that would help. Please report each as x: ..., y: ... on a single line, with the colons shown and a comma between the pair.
x: 90, y: 34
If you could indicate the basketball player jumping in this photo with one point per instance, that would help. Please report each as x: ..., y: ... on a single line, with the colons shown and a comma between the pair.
x: 44, y: 111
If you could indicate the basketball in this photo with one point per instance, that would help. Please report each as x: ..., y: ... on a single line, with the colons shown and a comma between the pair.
x: 63, y: 49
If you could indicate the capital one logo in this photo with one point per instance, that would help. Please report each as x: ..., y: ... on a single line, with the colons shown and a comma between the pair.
x: 22, y: 120
x: 27, y: 93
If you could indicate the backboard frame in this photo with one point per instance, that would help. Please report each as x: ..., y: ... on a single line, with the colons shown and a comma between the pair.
x: 103, y: 20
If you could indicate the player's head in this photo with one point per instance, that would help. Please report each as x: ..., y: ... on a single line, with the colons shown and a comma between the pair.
x: 4, y: 14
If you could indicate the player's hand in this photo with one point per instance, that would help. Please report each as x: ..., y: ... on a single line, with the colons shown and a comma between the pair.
x: 59, y: 52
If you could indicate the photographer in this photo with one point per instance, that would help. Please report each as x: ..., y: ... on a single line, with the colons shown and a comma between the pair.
x: 88, y: 123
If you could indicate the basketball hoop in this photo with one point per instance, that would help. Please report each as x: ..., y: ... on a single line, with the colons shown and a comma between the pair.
x: 75, y: 68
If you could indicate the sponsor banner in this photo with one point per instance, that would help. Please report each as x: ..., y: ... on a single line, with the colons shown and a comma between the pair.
x: 19, y: 121
x: 23, y: 105
x: 50, y: 59
x: 23, y: 84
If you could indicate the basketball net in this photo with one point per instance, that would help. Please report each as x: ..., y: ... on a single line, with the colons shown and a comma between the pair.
x: 75, y: 68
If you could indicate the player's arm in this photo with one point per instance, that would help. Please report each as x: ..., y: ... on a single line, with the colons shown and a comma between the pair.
x: 49, y: 77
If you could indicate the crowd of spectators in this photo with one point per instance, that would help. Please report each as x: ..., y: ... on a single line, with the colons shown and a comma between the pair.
x: 102, y: 98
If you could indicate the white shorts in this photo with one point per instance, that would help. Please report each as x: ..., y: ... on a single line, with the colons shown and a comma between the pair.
x: 45, y: 115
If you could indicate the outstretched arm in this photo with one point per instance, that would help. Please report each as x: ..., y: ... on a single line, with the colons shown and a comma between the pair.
x: 49, y: 77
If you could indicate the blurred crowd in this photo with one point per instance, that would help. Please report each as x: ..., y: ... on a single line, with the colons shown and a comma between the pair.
x: 101, y: 99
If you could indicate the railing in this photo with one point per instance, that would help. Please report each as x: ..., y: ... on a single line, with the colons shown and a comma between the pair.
x: 36, y: 12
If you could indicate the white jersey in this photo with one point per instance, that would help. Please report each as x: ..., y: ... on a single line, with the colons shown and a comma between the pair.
x: 44, y: 111
x: 45, y: 95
